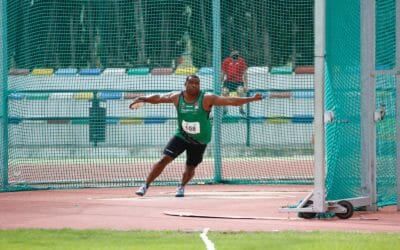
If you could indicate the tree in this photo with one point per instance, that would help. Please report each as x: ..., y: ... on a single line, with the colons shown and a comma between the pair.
x: 140, y: 32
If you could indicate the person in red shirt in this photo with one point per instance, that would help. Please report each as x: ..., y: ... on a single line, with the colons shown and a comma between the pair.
x: 234, y: 76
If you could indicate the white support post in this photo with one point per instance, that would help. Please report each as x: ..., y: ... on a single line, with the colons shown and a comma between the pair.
x: 368, y: 95
x: 319, y: 107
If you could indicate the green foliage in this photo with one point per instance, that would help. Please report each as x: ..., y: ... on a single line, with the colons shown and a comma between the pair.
x: 150, y: 33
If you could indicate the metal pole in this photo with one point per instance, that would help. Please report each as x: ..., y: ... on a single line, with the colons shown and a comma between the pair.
x: 248, y: 124
x: 4, y: 74
x: 319, y: 107
x: 217, y: 88
x: 368, y: 95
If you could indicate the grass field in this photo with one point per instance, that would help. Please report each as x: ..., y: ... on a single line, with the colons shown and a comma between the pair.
x: 156, y: 240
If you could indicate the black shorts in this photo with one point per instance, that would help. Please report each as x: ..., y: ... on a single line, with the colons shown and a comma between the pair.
x: 194, y: 152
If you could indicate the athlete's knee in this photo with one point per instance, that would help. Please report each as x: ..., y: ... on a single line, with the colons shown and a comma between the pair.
x: 165, y: 160
x: 193, y: 163
x: 190, y: 168
x: 225, y: 91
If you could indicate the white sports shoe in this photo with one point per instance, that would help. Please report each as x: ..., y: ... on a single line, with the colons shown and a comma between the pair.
x: 180, y: 191
x: 142, y: 190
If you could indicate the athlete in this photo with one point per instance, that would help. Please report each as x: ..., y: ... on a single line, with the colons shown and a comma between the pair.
x: 194, y: 127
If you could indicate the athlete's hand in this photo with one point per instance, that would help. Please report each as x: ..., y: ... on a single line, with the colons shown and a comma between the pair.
x: 258, y: 97
x: 137, y: 103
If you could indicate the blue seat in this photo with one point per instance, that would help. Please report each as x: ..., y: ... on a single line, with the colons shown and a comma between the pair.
x: 90, y: 72
x: 302, y: 119
x: 67, y: 72
x: 258, y: 119
x: 14, y: 120
x: 110, y: 95
x: 112, y: 121
x: 154, y: 120
x: 303, y: 94
x: 16, y: 96
x: 205, y: 71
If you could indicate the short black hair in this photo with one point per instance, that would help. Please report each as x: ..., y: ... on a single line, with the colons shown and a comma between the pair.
x: 192, y: 77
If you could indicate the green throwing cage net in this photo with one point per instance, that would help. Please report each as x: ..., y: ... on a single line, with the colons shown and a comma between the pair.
x: 73, y: 68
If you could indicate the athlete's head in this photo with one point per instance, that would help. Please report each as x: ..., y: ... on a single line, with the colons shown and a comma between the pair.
x: 192, y: 85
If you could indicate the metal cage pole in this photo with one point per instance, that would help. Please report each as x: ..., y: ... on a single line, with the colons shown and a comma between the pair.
x: 217, y: 89
x: 318, y: 204
x: 319, y: 107
x: 397, y: 74
x: 368, y: 96
x: 4, y: 86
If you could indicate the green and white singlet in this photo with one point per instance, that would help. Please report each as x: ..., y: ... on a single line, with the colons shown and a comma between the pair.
x: 194, y: 123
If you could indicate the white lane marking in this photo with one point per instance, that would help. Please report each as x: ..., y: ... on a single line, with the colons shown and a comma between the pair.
x: 209, y: 244
x: 208, y: 195
x: 152, y: 198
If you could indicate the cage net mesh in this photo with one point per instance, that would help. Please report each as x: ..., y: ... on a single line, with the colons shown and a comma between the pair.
x: 75, y: 66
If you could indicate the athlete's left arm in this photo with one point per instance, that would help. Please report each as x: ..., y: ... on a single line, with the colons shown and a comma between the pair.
x: 156, y: 99
x: 211, y: 100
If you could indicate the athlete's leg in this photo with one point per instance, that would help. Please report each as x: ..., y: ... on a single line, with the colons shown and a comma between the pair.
x: 173, y: 149
x: 241, y: 93
x: 194, y: 155
x: 186, y: 177
x: 157, y: 168
x: 188, y: 174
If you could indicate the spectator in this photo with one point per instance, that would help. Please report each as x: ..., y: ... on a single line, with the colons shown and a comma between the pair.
x: 234, y: 76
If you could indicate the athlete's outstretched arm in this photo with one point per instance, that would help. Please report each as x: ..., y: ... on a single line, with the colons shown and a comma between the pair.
x: 212, y: 100
x: 155, y: 99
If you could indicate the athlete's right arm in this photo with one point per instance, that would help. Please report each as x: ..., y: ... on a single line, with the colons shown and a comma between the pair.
x: 171, y: 97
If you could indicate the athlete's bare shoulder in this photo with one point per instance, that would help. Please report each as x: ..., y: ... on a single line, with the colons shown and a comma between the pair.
x: 174, y: 96
x: 208, y: 101
x: 209, y: 95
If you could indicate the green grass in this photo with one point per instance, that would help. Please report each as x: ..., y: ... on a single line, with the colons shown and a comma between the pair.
x: 306, y: 241
x: 156, y: 240
x: 97, y: 239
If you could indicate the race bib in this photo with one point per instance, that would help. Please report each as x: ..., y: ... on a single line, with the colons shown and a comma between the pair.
x: 191, y: 127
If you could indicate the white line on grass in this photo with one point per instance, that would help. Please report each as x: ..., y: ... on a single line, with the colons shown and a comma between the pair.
x: 209, y: 244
